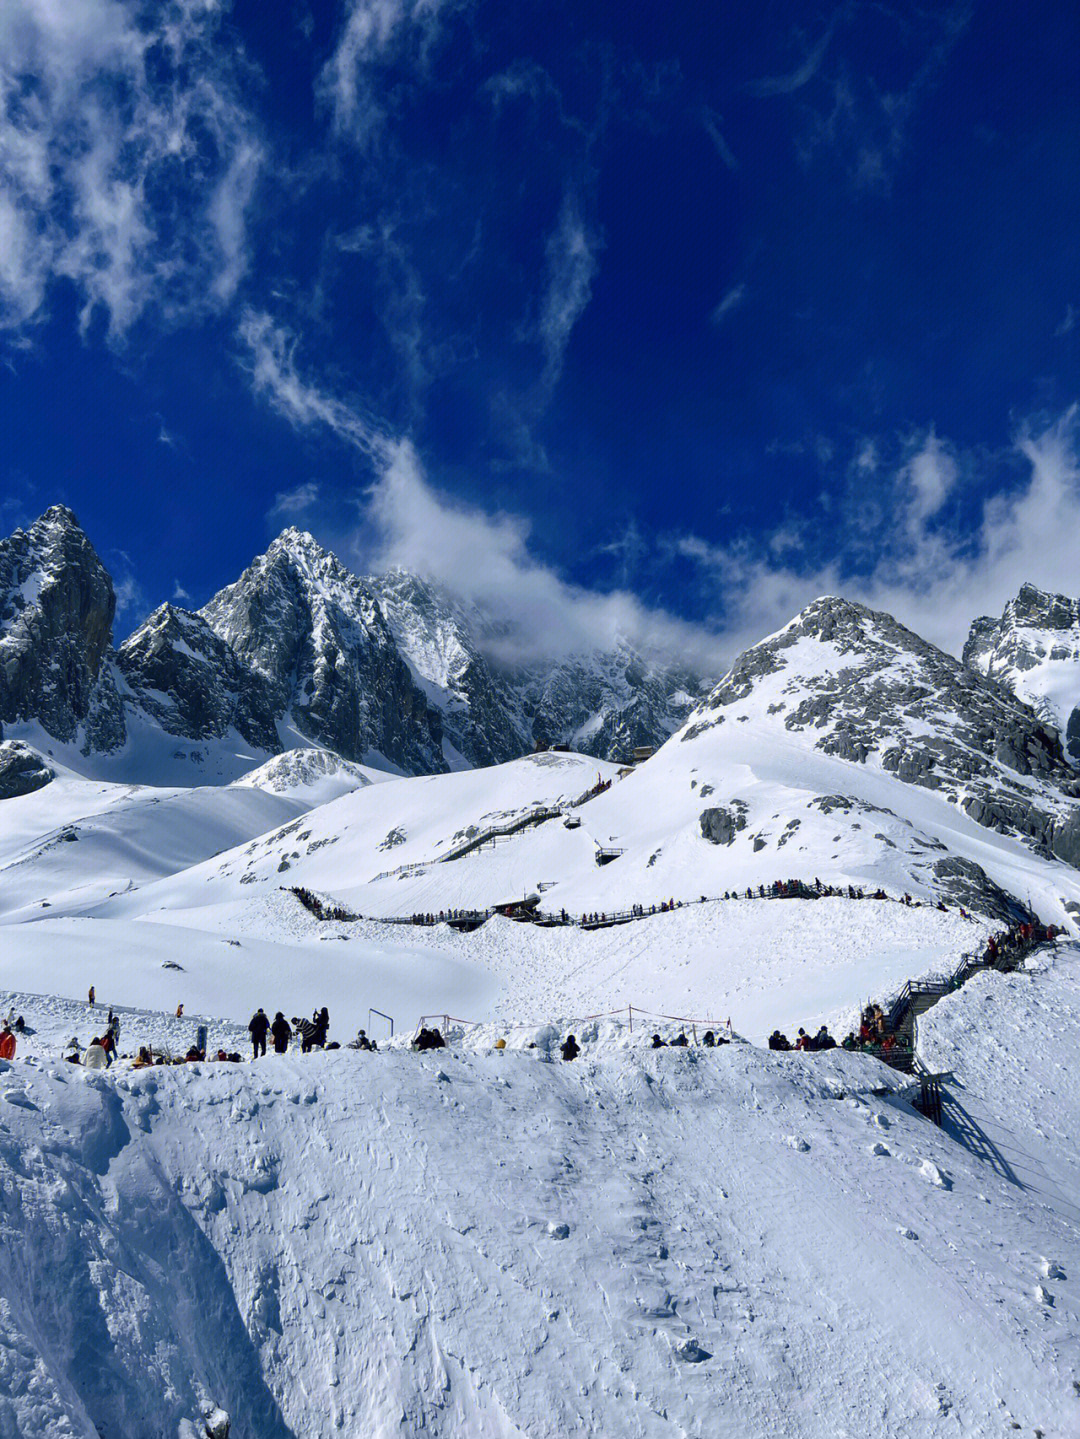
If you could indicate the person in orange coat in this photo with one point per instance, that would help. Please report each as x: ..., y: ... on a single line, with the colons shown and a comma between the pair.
x: 7, y: 1043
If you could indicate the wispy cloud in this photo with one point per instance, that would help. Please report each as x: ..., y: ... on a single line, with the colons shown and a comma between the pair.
x: 803, y: 73
x: 179, y: 594
x: 128, y: 161
x: 731, y: 302
x: 712, y: 123
x: 571, y: 269
x: 924, y: 560
x: 377, y: 33
x: 480, y: 556
x: 290, y: 503
x: 1068, y: 322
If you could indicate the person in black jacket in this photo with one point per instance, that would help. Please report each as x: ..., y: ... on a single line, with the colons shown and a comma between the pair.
x: 570, y: 1048
x: 778, y: 1040
x: 282, y: 1033
x: 258, y: 1029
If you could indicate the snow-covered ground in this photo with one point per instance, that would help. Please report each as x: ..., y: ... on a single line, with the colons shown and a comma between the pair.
x: 468, y: 1243
x: 1011, y: 1042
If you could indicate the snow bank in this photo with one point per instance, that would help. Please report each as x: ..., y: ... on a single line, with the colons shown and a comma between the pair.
x: 490, y: 1244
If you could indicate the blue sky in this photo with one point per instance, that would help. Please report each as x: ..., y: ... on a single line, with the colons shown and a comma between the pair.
x: 617, y: 319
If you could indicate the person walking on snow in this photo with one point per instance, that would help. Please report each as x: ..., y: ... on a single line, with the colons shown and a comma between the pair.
x: 258, y: 1029
x: 282, y: 1033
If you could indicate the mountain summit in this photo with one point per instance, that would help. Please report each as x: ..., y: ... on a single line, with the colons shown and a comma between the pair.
x: 1034, y: 650
x: 390, y: 670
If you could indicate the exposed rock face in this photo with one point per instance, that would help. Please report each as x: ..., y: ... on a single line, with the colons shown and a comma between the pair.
x: 177, y: 671
x: 967, y: 883
x: 388, y: 669
x: 56, y: 611
x: 441, y: 641
x: 872, y: 692
x: 1034, y: 649
x: 606, y: 703
x: 720, y: 824
x: 22, y: 769
x: 317, y: 638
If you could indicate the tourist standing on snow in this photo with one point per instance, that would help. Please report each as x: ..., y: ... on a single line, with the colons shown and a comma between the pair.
x: 281, y: 1031
x: 90, y: 997
x: 258, y: 1029
x: 7, y: 1043
x: 570, y: 1048
x: 322, y: 1026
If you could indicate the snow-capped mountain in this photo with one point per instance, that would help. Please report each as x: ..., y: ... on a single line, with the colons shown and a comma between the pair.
x: 863, y: 688
x: 603, y: 703
x: 1034, y: 649
x: 56, y: 611
x: 389, y: 671
x: 316, y: 637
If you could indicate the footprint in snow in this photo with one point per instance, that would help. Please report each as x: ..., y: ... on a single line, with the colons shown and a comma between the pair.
x: 799, y: 1145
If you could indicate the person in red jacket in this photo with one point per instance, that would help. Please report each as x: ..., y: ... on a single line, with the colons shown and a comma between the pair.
x: 7, y: 1043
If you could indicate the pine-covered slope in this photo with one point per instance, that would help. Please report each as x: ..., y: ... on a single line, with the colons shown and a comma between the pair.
x: 1034, y: 650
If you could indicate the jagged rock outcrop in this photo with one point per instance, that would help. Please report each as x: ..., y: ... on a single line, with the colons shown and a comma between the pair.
x: 56, y: 612
x: 179, y: 672
x: 317, y: 637
x: 871, y: 692
x: 22, y: 769
x: 721, y: 824
x: 604, y: 703
x: 1034, y: 650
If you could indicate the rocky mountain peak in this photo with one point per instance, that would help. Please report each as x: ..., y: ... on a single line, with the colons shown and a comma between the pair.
x: 56, y: 611
x: 859, y: 686
x: 1034, y: 650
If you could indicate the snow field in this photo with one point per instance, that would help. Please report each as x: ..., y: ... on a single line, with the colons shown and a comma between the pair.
x: 640, y: 1243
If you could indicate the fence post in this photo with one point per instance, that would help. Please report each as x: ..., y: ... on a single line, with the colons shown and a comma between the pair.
x: 630, y: 1011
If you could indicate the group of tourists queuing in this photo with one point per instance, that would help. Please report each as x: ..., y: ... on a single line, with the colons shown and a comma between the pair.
x: 710, y: 1039
x: 806, y: 1043
x: 311, y: 1033
x: 444, y: 916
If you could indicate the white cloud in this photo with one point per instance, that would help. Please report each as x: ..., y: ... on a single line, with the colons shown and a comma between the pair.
x: 731, y: 301
x: 571, y: 269
x: 712, y: 123
x: 271, y: 365
x: 1068, y: 322
x: 803, y: 72
x: 934, y: 577
x: 290, y: 503
x: 484, y: 558
x: 376, y: 32
x: 179, y: 594
x: 128, y: 163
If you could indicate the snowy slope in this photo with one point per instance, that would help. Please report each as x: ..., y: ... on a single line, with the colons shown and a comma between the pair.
x: 685, y: 1243
x: 1010, y: 1042
x: 74, y: 842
